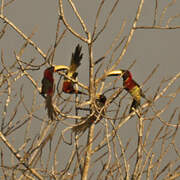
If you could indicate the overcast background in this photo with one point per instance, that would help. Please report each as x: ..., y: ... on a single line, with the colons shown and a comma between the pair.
x: 148, y: 47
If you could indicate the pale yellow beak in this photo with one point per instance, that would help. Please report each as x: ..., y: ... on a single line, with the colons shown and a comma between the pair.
x: 115, y: 73
x: 60, y: 68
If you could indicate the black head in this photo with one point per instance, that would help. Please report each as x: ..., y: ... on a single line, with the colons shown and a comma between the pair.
x: 126, y: 74
x: 101, y: 99
x: 50, y: 69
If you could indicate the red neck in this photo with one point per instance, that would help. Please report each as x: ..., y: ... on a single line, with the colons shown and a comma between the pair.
x: 68, y: 87
x: 129, y: 83
x: 49, y: 75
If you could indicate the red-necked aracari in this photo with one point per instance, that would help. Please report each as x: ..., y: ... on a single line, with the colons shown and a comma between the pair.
x: 84, y: 124
x: 68, y: 85
x: 48, y: 87
x: 131, y: 86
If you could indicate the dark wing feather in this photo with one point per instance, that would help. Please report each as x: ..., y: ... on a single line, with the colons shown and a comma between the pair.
x: 134, y: 105
x: 76, y: 59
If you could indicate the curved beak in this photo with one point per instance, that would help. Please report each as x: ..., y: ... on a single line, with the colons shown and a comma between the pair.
x: 60, y: 68
x: 116, y: 73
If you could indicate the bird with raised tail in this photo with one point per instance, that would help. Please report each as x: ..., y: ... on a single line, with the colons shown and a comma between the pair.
x: 68, y: 85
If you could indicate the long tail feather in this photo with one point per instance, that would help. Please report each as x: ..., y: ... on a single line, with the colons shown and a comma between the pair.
x: 49, y: 107
x: 76, y: 59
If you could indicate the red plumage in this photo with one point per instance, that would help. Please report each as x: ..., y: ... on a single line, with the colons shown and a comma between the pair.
x: 48, y: 90
x: 128, y: 81
x: 48, y: 82
x: 133, y: 88
x: 68, y: 86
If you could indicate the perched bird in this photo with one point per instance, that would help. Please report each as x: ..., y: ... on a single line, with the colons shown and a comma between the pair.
x: 48, y: 87
x: 84, y: 124
x: 131, y: 86
x: 68, y: 85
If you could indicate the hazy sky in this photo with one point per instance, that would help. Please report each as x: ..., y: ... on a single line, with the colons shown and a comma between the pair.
x: 148, y: 47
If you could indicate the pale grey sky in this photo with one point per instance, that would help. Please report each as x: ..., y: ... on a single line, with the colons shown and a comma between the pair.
x: 148, y: 47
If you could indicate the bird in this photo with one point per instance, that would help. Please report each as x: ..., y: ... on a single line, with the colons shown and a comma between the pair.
x: 131, y: 86
x: 87, y: 122
x: 48, y: 87
x: 68, y: 85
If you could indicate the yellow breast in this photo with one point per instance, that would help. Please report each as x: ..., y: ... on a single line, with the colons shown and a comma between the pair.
x: 136, y: 93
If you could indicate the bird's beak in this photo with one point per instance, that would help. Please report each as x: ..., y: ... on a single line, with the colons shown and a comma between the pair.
x: 116, y: 73
x: 98, y: 96
x: 60, y: 68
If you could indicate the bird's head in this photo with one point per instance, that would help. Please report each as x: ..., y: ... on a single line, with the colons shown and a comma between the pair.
x: 100, y: 100
x: 121, y: 72
x: 49, y: 72
x: 126, y: 75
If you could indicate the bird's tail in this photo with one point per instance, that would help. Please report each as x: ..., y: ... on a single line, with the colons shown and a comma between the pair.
x: 76, y: 59
x: 134, y: 105
x: 49, y: 107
